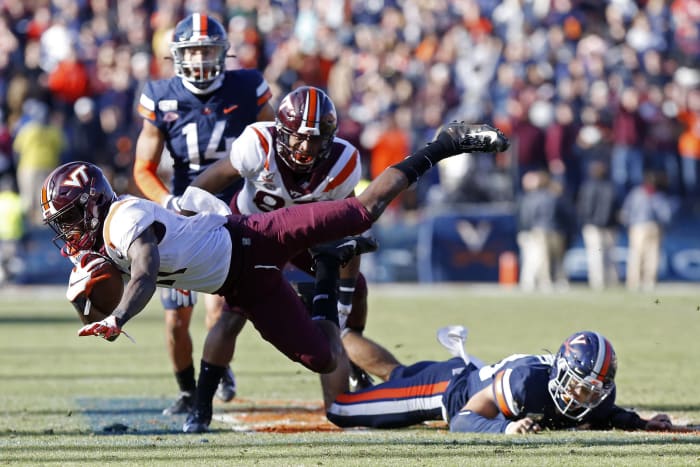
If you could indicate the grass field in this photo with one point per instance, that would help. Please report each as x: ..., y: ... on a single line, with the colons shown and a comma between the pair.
x: 66, y: 400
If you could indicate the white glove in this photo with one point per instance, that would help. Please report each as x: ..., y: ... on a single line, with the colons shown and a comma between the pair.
x: 172, y: 203
x: 183, y: 297
x: 107, y: 328
x: 83, y: 276
x: 195, y: 199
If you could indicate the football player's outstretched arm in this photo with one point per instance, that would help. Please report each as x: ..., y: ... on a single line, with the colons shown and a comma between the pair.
x: 149, y: 147
x: 626, y: 419
x: 482, y: 415
x: 145, y: 261
x: 217, y: 177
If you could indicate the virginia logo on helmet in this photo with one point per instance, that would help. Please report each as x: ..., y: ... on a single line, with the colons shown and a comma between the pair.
x: 583, y: 374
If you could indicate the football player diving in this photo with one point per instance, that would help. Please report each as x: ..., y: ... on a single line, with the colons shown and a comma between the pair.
x: 519, y: 394
x: 296, y: 159
x: 239, y: 257
x: 194, y: 116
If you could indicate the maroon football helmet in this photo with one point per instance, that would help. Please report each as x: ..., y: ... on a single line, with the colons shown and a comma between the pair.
x: 306, y: 126
x: 75, y: 200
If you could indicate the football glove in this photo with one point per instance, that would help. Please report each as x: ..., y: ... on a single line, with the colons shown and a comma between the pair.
x: 107, y: 328
x: 85, y: 274
x: 172, y: 203
x: 183, y: 297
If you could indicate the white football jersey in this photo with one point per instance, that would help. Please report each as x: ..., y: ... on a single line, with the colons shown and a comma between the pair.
x: 195, y: 252
x: 268, y: 187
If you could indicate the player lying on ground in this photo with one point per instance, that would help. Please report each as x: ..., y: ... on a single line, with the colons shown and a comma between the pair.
x: 238, y: 257
x: 520, y: 394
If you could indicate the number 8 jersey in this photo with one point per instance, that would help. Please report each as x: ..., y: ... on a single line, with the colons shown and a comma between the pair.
x: 270, y: 184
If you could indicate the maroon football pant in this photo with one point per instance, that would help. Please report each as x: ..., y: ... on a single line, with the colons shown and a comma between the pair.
x: 358, y: 317
x: 262, y: 245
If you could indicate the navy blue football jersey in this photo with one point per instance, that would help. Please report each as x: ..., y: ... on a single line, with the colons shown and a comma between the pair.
x: 520, y: 387
x: 198, y: 129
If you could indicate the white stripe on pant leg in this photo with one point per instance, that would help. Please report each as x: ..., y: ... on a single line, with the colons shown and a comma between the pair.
x: 386, y: 407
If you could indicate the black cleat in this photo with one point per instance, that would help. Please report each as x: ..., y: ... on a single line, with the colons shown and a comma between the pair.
x: 344, y: 249
x: 183, y: 404
x: 461, y: 137
x: 226, y: 390
x: 198, y: 420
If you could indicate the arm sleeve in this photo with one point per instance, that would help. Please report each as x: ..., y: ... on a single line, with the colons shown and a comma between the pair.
x: 626, y: 419
x: 471, y: 422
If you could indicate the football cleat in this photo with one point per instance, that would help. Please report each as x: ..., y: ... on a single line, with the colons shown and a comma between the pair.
x: 226, y: 390
x: 344, y: 249
x: 453, y: 339
x: 183, y: 404
x: 460, y: 137
x: 198, y: 420
x: 359, y: 378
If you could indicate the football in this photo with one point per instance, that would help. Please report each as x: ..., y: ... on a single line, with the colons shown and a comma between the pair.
x: 102, y: 291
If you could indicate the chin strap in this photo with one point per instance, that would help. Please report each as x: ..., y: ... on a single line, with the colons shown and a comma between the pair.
x: 213, y: 86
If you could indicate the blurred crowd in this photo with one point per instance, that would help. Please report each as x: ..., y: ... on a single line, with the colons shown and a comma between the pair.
x: 572, y: 82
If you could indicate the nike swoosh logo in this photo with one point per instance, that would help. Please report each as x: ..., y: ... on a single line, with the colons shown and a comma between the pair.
x: 71, y: 284
x: 352, y: 243
x: 228, y: 110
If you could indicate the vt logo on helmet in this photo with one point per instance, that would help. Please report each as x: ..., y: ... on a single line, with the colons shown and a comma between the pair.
x: 198, y: 49
x: 75, y: 199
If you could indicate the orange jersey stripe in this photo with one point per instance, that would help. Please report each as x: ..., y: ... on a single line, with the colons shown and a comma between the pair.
x: 265, y: 145
x: 145, y: 113
x: 344, y: 173
x: 264, y: 98
x: 393, y: 393
x: 500, y: 397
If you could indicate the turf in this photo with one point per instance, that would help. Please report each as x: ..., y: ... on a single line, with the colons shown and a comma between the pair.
x: 66, y: 400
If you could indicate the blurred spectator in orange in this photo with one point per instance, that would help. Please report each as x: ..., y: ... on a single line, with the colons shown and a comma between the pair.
x: 689, y: 147
x: 69, y: 80
x: 393, y: 143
